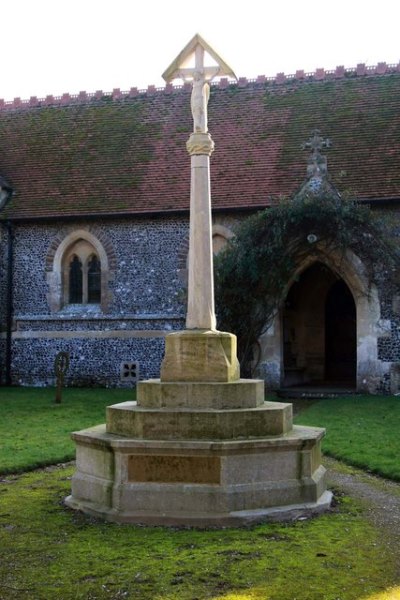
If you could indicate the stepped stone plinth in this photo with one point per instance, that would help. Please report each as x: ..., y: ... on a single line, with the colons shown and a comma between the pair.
x: 130, y: 419
x: 199, y: 482
x: 242, y: 393
x: 200, y: 446
x: 201, y: 453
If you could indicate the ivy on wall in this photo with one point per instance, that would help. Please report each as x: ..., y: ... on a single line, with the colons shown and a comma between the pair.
x: 253, y: 271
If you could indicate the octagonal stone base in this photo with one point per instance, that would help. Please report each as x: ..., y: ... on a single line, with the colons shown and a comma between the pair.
x: 199, y: 483
x: 199, y: 453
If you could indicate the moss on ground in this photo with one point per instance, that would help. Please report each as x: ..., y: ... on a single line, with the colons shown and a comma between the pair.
x: 50, y: 552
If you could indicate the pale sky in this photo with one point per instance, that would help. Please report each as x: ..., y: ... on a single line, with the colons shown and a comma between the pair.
x: 54, y: 46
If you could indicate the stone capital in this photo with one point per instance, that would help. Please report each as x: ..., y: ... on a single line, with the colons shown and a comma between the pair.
x: 200, y: 143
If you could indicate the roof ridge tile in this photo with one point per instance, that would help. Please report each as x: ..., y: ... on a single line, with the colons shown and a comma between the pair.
x: 320, y: 74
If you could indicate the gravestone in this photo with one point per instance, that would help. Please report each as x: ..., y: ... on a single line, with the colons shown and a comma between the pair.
x: 61, y: 365
x: 200, y: 446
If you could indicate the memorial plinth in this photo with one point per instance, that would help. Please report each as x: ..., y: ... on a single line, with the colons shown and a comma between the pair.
x: 200, y: 446
x: 199, y: 482
x: 209, y: 451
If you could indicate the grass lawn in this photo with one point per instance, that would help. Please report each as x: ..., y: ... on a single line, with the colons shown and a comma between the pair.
x: 361, y: 430
x: 50, y: 552
x: 34, y: 431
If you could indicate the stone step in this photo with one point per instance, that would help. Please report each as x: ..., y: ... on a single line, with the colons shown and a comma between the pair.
x: 243, y: 393
x: 131, y: 420
x: 315, y: 392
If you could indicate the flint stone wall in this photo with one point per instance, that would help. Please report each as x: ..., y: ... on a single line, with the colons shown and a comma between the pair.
x: 146, y: 303
x: 93, y: 362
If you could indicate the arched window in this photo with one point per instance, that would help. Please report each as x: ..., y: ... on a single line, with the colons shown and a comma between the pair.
x: 81, y: 274
x: 79, y: 267
x: 218, y: 242
x: 220, y: 237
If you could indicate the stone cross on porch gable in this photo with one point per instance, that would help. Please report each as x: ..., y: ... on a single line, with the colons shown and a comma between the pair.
x: 317, y: 163
x: 317, y: 142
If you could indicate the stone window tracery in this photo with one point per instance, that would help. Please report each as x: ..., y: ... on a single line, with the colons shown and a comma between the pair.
x: 81, y: 274
x: 80, y: 268
x: 75, y: 280
x: 94, y: 280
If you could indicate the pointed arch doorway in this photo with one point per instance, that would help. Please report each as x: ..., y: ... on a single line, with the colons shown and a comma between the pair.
x: 319, y: 330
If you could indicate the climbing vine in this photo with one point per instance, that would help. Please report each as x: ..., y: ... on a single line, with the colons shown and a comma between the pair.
x: 255, y: 268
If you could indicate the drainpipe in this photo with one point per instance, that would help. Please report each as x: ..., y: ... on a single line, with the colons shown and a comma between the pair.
x: 9, y: 300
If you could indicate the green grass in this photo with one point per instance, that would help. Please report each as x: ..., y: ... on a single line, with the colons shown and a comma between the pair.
x: 363, y: 431
x: 50, y: 552
x: 34, y: 431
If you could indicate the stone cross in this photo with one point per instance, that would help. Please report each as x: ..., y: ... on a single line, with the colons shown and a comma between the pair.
x: 200, y: 75
x: 316, y: 142
x: 317, y: 163
x: 200, y: 311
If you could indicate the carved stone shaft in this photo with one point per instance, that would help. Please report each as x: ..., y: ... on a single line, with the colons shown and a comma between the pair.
x: 201, y: 311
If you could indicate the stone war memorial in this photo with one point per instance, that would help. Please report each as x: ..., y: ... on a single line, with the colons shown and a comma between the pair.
x: 200, y: 447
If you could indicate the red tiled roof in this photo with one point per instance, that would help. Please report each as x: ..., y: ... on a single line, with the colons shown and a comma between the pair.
x: 126, y: 154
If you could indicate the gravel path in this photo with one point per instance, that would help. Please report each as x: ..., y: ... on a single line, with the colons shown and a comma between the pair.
x: 380, y: 497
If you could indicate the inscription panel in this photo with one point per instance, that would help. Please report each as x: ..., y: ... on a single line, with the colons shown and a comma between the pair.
x: 174, y: 469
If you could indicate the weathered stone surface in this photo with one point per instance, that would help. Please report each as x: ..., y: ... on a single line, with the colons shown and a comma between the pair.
x: 174, y: 469
x: 395, y: 378
x: 243, y: 393
x: 200, y: 355
x: 200, y: 143
x: 233, y: 482
x: 129, y: 419
x: 200, y: 306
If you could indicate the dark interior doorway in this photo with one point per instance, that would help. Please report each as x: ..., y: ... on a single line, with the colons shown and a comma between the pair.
x: 340, y: 334
x: 319, y: 330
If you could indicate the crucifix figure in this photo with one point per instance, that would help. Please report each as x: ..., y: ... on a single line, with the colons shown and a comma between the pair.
x: 200, y: 311
x: 199, y: 101
x: 199, y: 75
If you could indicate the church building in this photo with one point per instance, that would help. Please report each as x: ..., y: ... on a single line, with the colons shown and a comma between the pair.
x: 94, y: 224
